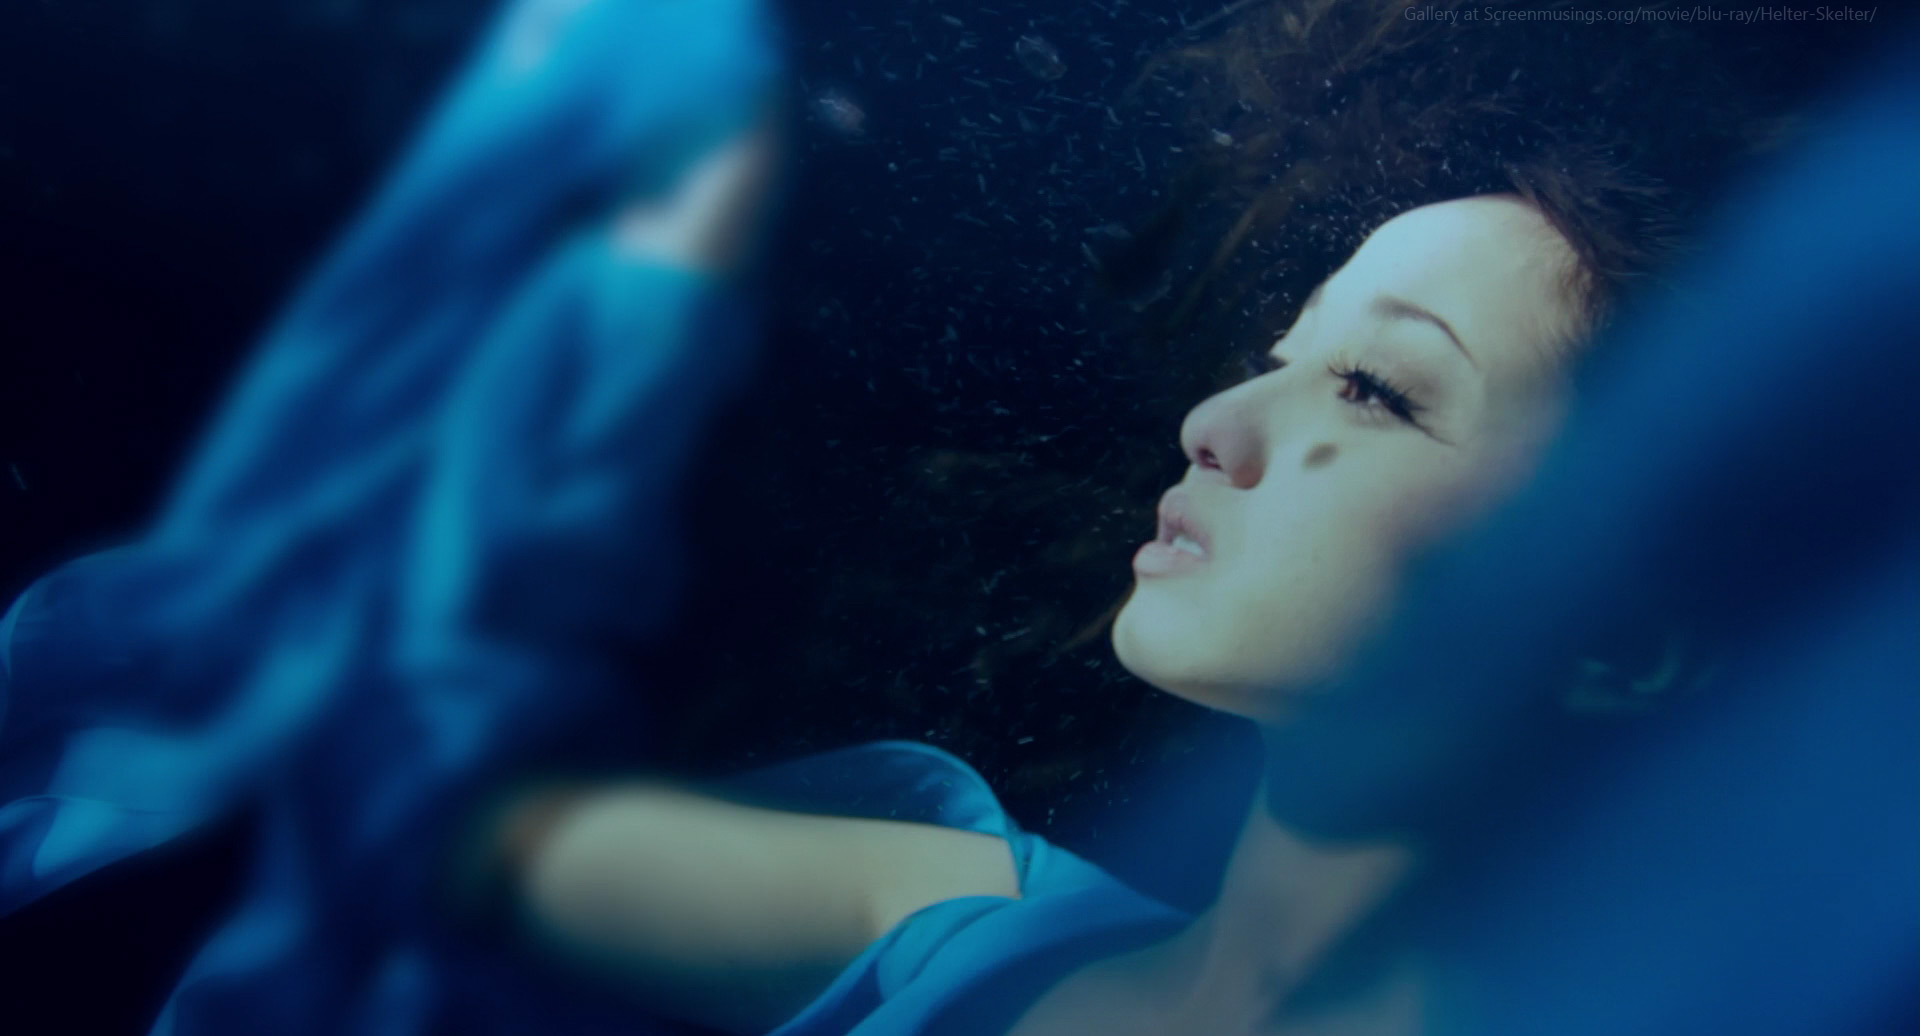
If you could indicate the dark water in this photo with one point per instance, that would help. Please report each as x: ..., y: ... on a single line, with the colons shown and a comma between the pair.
x: 169, y: 168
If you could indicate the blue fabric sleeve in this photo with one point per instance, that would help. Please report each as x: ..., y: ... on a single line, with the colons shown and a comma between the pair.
x: 907, y: 780
x: 971, y: 936
x: 437, y: 497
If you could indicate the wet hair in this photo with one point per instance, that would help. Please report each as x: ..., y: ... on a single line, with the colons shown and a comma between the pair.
x: 1333, y: 116
x: 1303, y: 126
x: 1316, y: 121
x: 1313, y: 122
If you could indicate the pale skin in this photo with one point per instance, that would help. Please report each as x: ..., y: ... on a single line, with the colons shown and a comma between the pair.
x: 1419, y: 384
x: 1314, y: 493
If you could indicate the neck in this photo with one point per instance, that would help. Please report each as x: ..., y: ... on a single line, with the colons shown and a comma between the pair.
x: 1285, y: 902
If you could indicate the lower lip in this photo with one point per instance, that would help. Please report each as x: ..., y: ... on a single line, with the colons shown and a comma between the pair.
x: 1164, y: 559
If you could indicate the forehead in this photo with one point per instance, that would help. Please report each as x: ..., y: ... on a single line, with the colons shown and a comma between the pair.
x: 1492, y: 267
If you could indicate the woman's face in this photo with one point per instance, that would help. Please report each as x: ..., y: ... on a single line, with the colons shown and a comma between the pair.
x: 1419, y: 382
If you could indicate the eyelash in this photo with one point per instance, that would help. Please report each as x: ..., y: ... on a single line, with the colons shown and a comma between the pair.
x: 1373, y: 385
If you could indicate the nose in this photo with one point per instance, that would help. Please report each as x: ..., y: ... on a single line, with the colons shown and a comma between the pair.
x: 1228, y: 433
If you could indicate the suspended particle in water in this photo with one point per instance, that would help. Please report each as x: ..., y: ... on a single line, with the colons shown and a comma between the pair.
x: 1136, y: 268
x: 840, y: 114
x: 1154, y: 293
x: 1040, y: 58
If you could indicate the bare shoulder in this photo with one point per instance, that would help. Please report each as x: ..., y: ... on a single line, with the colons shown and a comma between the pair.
x: 729, y: 914
x: 917, y: 865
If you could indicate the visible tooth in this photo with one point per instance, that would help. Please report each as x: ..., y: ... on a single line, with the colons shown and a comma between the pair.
x: 1188, y: 545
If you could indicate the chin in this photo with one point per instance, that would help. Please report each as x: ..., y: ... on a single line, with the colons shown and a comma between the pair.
x: 1140, y: 647
x: 1180, y: 663
x: 1166, y: 660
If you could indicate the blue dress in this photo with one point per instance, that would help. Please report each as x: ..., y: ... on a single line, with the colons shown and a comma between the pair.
x: 443, y: 484
x: 969, y: 965
x: 438, y: 492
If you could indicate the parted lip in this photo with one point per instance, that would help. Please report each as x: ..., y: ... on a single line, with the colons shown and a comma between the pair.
x: 1177, y: 519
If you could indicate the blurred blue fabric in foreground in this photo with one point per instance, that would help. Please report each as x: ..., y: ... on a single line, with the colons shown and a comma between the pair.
x: 435, y: 504
x: 441, y: 494
x: 1743, y: 859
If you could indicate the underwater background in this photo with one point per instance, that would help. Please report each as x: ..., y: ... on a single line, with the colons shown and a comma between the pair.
x: 912, y: 524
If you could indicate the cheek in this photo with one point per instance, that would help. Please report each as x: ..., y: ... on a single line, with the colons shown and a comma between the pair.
x: 1317, y: 554
x: 1324, y: 552
x: 1313, y: 562
x: 1447, y: 497
x: 1363, y: 512
x: 1427, y: 509
x: 1318, y: 576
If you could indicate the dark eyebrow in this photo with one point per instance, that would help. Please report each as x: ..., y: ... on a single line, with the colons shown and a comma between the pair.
x: 1400, y: 309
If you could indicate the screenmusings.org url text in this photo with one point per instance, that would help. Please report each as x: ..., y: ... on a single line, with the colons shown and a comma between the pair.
x: 1698, y: 13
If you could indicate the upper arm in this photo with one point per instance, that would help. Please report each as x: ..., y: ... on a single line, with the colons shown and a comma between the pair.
x: 733, y: 915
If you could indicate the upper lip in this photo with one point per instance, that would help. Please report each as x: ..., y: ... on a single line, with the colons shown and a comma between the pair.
x: 1177, y: 519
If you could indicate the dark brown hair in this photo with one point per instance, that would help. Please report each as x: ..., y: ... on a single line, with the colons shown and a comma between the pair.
x: 1344, y: 113
x: 978, y: 620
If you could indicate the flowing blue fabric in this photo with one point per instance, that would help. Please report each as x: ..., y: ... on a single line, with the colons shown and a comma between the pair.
x: 1744, y: 863
x: 963, y: 962
x: 1744, y: 860
x: 437, y: 499
x: 443, y: 491
x: 434, y: 504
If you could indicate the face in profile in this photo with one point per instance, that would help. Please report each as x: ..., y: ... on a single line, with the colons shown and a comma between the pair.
x: 1417, y: 386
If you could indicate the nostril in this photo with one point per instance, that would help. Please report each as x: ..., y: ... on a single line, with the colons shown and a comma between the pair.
x: 1208, y: 460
